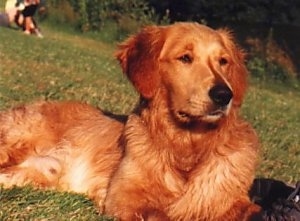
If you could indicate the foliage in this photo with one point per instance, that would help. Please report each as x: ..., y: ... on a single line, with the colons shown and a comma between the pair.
x: 61, y: 12
x: 269, y: 71
x: 269, y: 61
x: 269, y: 11
x: 118, y: 18
x: 94, y: 12
x: 128, y: 15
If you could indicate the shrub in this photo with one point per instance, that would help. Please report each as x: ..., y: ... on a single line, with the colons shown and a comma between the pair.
x: 61, y: 12
x: 117, y: 17
x: 264, y: 70
x: 269, y: 60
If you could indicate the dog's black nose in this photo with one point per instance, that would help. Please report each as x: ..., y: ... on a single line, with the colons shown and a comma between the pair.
x: 220, y: 94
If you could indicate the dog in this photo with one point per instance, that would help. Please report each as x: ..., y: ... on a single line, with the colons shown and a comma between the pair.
x: 183, y: 153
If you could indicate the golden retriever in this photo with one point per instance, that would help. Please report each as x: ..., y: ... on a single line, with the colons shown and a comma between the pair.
x: 183, y: 153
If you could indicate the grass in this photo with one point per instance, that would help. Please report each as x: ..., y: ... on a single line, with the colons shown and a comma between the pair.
x: 274, y: 113
x: 31, y: 204
x: 61, y: 66
x: 68, y: 66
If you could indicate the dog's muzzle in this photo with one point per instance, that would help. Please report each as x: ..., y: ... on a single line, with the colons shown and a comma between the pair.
x: 221, y: 96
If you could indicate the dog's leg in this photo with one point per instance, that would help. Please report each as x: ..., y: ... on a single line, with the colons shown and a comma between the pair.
x: 140, y: 213
x: 134, y: 200
x: 243, y: 211
x: 128, y: 200
x: 41, y: 171
x: 23, y: 131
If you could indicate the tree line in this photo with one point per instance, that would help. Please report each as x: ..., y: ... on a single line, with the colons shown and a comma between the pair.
x: 129, y: 15
x: 92, y: 13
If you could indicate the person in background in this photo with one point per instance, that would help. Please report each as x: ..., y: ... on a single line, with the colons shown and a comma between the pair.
x: 27, y: 9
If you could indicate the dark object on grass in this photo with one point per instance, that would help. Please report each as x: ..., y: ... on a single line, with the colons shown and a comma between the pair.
x: 4, y: 20
x: 279, y: 201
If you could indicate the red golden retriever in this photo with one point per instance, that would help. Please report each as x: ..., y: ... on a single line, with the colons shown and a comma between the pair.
x: 182, y: 154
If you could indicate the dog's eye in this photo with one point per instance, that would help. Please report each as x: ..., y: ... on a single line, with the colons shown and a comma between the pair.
x: 186, y: 59
x: 223, y: 61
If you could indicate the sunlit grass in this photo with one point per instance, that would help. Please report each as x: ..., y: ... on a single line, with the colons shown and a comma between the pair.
x: 61, y: 67
x: 275, y: 116
x: 32, y: 204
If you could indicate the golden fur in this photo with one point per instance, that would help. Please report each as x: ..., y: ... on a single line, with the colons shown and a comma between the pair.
x: 181, y: 154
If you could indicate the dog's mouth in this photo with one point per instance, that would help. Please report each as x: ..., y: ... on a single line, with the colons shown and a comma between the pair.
x: 210, y: 117
x: 214, y: 116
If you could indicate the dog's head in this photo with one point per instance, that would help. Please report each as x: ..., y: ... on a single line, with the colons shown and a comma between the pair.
x: 201, y: 70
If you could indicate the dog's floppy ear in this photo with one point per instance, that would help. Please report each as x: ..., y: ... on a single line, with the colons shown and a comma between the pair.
x: 238, y: 71
x: 138, y: 57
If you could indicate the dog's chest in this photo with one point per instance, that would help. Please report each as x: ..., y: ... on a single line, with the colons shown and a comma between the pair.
x: 186, y: 158
x: 201, y: 192
x: 212, y: 186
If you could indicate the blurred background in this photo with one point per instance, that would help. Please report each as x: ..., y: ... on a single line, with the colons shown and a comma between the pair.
x: 268, y: 29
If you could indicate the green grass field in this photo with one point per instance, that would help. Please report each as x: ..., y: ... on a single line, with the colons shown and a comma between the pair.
x: 68, y: 66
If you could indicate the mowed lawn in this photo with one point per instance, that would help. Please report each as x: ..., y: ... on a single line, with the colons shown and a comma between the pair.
x: 68, y: 66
